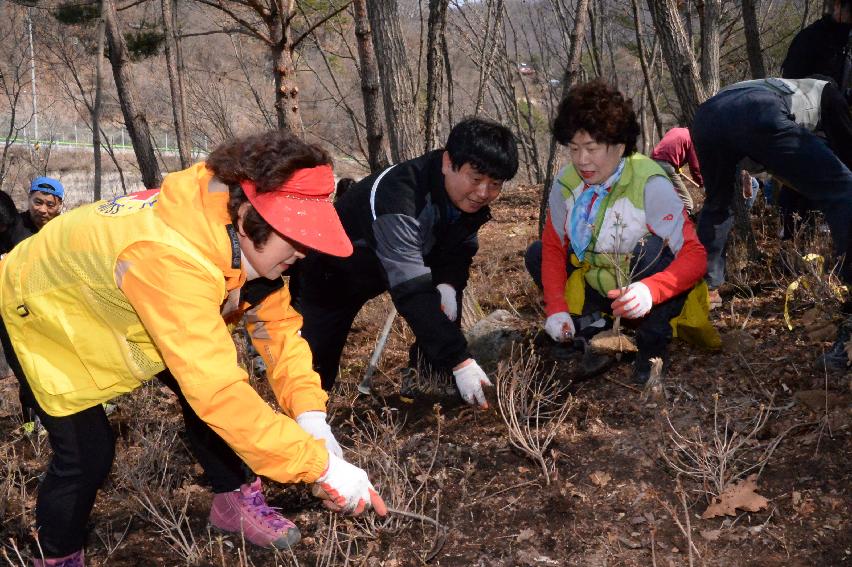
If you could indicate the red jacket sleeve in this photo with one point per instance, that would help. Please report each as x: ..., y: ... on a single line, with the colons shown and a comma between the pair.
x: 554, y: 257
x: 688, y: 266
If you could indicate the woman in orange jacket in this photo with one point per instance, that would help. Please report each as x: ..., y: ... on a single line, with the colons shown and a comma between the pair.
x: 118, y: 292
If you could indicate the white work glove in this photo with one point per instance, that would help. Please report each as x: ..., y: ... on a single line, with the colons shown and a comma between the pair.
x: 470, y: 379
x: 449, y: 305
x: 560, y: 327
x: 313, y: 422
x: 631, y: 302
x: 346, y: 488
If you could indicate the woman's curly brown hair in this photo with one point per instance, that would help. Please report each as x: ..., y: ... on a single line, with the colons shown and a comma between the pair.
x: 601, y: 111
x: 268, y: 159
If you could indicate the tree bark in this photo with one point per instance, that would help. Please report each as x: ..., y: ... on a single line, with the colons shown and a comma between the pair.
x: 397, y: 86
x: 377, y: 155
x: 284, y: 73
x: 493, y: 21
x: 96, y: 107
x: 646, y: 72
x: 445, y: 53
x: 134, y: 116
x: 709, y: 12
x: 184, y: 147
x: 752, y: 37
x: 678, y: 55
x: 434, y: 72
x: 569, y: 77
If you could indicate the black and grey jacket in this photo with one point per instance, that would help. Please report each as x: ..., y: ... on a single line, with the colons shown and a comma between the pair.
x: 404, y: 216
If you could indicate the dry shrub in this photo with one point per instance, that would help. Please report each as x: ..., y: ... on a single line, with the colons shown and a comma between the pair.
x: 716, y: 455
x: 533, y: 405
x: 400, y: 478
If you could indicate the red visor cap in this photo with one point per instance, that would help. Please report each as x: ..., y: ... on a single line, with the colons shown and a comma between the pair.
x: 300, y: 209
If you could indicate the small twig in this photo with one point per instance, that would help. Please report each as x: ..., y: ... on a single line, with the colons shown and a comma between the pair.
x: 688, y: 524
x: 442, y: 530
x: 527, y: 483
x: 653, y: 547
x: 622, y: 384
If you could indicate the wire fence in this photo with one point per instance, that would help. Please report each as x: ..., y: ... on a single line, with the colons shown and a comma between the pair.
x: 80, y: 136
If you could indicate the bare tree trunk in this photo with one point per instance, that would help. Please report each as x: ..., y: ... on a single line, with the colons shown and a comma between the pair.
x: 434, y: 71
x: 493, y: 20
x: 679, y: 58
x: 96, y: 106
x: 181, y: 73
x: 134, y: 116
x: 398, y: 92
x: 377, y: 155
x: 569, y: 77
x: 752, y: 37
x: 445, y: 52
x: 284, y: 72
x: 184, y: 147
x: 594, y: 42
x: 646, y: 72
x: 709, y: 13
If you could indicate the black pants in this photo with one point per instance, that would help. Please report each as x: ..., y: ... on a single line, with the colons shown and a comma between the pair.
x: 329, y: 292
x: 83, y: 449
x: 653, y: 331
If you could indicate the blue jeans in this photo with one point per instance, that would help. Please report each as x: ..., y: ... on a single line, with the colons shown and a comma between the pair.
x: 757, y: 123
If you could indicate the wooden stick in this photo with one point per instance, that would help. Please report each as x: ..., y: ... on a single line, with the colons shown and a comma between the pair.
x: 365, y: 386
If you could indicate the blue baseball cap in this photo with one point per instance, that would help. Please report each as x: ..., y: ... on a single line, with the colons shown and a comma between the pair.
x: 48, y: 185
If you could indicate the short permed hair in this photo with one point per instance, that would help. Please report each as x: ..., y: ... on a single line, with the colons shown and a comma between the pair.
x: 268, y: 159
x: 601, y: 111
x: 489, y: 147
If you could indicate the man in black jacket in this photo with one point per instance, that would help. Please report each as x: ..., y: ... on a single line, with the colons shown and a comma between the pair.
x: 414, y: 230
x: 824, y: 48
x: 12, y: 229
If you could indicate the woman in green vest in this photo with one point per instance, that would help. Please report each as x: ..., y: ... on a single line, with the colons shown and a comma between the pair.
x: 617, y: 239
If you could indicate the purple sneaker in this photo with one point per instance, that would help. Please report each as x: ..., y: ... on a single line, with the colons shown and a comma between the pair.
x: 76, y: 559
x: 245, y: 511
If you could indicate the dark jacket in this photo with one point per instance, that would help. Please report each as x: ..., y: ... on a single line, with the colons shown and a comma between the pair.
x: 404, y: 216
x: 21, y: 230
x: 819, y: 49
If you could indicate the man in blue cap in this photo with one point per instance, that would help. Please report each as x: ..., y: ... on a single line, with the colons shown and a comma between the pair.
x: 45, y: 202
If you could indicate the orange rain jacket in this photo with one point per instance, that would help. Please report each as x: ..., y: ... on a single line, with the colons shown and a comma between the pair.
x: 108, y: 295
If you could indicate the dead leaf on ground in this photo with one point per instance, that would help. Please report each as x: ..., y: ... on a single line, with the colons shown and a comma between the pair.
x: 806, y: 508
x: 711, y: 535
x: 600, y: 478
x: 821, y: 332
x: 741, y: 495
x: 738, y: 340
x: 811, y: 316
x: 818, y: 400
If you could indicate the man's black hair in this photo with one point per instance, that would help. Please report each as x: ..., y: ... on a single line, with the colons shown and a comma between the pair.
x: 8, y: 211
x: 487, y: 146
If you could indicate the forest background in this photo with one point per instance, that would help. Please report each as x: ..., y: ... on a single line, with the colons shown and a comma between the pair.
x: 373, y: 81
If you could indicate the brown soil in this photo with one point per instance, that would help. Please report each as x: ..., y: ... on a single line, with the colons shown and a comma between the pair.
x: 613, y: 496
